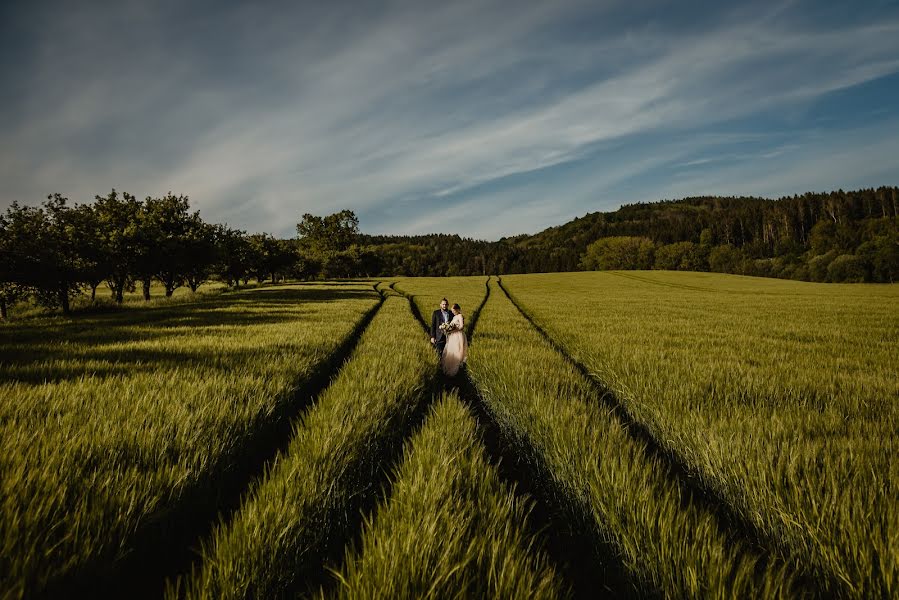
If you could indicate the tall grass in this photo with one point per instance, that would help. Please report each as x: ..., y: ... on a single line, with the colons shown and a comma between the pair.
x: 451, y: 529
x: 599, y: 477
x: 426, y: 293
x: 302, y: 513
x: 112, y: 423
x: 782, y: 396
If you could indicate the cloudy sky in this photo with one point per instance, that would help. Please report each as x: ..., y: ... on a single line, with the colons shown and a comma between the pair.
x: 473, y: 117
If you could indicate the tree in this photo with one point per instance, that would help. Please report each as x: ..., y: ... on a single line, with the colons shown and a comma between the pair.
x: 119, y: 221
x: 165, y: 228
x: 270, y: 256
x: 42, y: 252
x: 622, y: 252
x: 331, y: 241
x: 11, y: 290
x: 846, y: 268
x: 326, y: 235
x: 90, y: 247
x: 201, y: 252
x: 234, y: 254
x: 725, y: 259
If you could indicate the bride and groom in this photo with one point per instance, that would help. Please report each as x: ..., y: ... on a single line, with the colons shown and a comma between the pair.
x: 448, y: 337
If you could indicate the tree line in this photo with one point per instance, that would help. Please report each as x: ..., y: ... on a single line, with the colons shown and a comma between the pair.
x: 837, y: 236
x: 58, y: 250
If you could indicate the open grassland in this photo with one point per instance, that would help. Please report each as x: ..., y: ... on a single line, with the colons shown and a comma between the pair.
x: 451, y: 529
x: 679, y: 435
x: 781, y: 397
x: 113, y: 425
x: 302, y: 513
x: 600, y: 477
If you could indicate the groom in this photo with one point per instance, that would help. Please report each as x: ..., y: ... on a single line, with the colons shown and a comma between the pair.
x: 438, y: 336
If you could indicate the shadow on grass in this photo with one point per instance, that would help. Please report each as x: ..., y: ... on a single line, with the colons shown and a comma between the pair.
x: 35, y: 352
x: 167, y: 544
x: 739, y: 531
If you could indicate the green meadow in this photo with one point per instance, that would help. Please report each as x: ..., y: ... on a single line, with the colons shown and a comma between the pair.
x: 632, y: 434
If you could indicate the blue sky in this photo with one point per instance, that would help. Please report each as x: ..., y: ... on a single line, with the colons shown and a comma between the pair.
x: 480, y: 118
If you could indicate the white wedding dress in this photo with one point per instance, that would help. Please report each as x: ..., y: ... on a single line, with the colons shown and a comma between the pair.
x: 456, y: 350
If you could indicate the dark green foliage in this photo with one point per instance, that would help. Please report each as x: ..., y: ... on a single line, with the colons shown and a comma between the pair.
x: 623, y: 252
x: 749, y: 236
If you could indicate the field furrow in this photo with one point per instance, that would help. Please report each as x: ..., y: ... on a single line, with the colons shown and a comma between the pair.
x: 601, y: 478
x: 779, y: 397
x: 451, y: 528
x: 126, y: 433
x: 425, y: 294
x: 304, y: 512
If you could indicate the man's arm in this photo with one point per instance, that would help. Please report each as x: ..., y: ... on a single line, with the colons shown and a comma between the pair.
x: 433, y: 326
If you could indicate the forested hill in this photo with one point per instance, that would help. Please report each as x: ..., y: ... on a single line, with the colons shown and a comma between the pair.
x: 796, y: 237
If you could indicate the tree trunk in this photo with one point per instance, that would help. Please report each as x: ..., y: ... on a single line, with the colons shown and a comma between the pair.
x: 273, y: 277
x: 120, y: 293
x: 169, y: 291
x: 64, y: 299
x: 94, y: 292
x: 3, y: 313
x: 146, y: 289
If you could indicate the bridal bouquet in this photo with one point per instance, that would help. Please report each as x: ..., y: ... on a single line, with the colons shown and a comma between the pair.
x: 446, y: 327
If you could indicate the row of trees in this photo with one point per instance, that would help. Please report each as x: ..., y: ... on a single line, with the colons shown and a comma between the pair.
x: 57, y: 251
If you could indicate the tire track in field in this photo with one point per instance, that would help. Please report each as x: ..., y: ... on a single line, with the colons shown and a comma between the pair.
x: 730, y: 522
x: 168, y: 546
x: 570, y: 549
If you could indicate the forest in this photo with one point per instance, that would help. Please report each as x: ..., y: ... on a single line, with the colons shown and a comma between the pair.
x: 837, y: 237
x: 51, y: 253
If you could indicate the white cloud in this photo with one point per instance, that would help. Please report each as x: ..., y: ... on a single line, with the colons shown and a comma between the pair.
x: 360, y: 110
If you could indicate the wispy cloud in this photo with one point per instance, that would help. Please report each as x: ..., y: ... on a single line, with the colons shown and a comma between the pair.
x: 262, y: 114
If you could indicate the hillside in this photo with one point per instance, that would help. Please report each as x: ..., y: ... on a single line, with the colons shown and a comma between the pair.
x: 796, y: 237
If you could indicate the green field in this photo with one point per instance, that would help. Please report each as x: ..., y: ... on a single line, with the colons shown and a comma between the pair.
x: 637, y: 433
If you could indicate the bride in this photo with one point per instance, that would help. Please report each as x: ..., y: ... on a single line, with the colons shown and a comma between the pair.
x: 456, y: 350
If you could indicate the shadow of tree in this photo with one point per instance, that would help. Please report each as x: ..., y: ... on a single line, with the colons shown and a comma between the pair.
x: 97, y: 344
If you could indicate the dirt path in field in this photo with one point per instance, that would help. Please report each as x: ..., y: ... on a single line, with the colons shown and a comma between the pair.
x: 695, y: 492
x: 169, y: 546
x: 572, y: 552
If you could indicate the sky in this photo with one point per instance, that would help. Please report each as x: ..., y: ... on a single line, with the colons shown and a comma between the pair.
x: 482, y: 118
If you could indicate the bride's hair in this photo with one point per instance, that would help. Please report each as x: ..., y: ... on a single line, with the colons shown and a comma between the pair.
x: 457, y: 307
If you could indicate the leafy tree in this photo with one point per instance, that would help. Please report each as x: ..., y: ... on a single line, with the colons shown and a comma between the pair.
x: 166, y: 228
x: 234, y: 255
x: 42, y: 252
x: 725, y: 259
x: 88, y: 239
x: 330, y: 234
x: 270, y: 256
x: 201, y: 252
x: 846, y: 268
x: 119, y: 221
x: 12, y: 261
x: 621, y: 252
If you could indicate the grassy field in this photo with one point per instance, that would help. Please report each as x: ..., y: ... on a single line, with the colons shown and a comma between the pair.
x: 451, y: 528
x: 426, y: 293
x: 111, y: 422
x: 304, y: 510
x: 602, y: 480
x: 653, y: 434
x: 780, y: 396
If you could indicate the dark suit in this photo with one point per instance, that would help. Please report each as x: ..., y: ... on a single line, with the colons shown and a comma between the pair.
x: 437, y: 333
